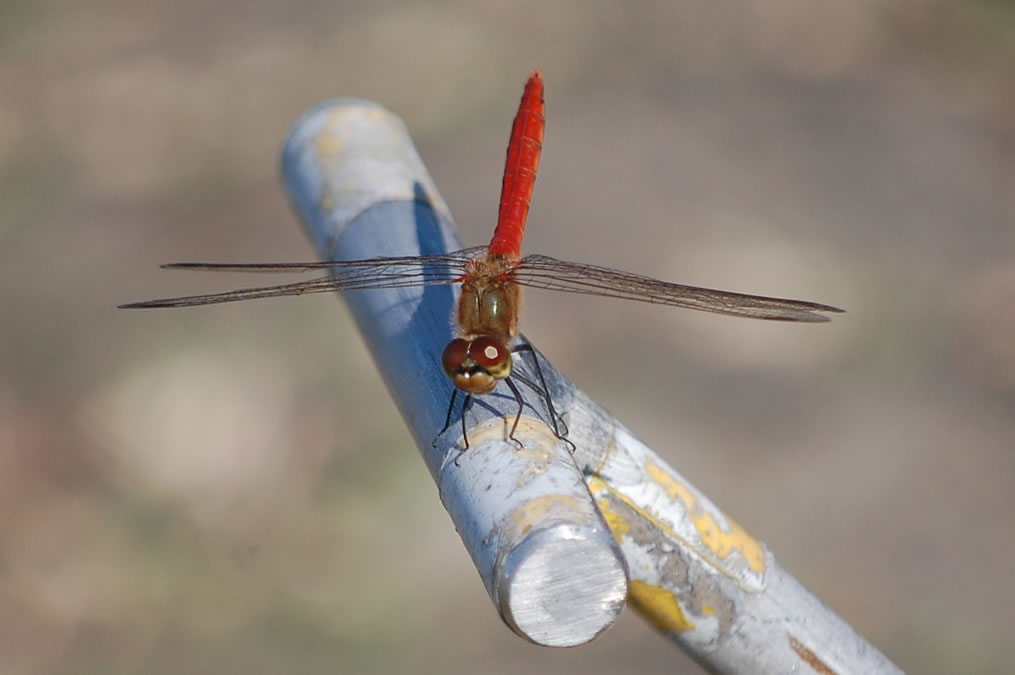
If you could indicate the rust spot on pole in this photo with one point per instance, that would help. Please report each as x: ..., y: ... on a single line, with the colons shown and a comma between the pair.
x: 809, y: 657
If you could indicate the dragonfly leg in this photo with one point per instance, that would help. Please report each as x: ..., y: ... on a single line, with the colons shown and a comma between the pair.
x: 544, y: 392
x: 447, y: 421
x: 466, y: 406
x: 521, y: 407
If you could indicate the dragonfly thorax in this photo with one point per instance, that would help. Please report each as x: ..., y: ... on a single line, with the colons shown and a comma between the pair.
x: 490, y: 300
x: 476, y: 365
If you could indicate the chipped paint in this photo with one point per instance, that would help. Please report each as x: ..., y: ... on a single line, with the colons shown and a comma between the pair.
x: 538, y: 441
x: 618, y: 524
x: 659, y: 607
x: 721, y: 541
x: 597, y: 486
x: 707, y: 610
x: 687, y: 531
x: 327, y: 145
x: 519, y: 521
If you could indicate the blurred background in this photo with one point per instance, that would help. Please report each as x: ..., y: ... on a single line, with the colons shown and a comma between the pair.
x: 230, y: 489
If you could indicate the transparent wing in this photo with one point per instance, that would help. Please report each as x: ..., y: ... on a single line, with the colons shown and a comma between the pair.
x: 540, y: 271
x: 401, y: 272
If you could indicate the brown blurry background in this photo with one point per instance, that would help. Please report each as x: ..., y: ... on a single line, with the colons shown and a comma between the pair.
x: 230, y: 490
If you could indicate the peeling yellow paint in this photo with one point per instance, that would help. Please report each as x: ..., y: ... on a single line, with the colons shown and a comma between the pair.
x: 659, y: 607
x: 596, y: 485
x: 617, y: 523
x: 327, y: 145
x: 540, y: 509
x: 538, y: 441
x: 721, y: 542
x: 707, y: 609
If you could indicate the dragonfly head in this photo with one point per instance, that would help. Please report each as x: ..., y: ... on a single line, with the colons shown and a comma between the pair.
x: 475, y: 366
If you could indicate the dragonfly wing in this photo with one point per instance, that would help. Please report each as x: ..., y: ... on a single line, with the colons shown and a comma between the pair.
x: 344, y: 276
x: 540, y: 271
x: 455, y: 259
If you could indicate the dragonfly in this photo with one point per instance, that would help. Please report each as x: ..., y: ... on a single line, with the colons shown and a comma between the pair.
x: 490, y: 278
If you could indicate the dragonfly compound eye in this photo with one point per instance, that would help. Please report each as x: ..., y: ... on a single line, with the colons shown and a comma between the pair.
x: 475, y: 366
x: 492, y: 355
x: 454, y: 356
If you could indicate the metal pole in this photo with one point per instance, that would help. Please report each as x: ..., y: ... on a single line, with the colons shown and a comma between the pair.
x: 700, y: 578
x: 526, y: 516
x: 542, y: 548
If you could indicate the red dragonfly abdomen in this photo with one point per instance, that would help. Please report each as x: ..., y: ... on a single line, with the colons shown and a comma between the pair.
x: 520, y: 170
